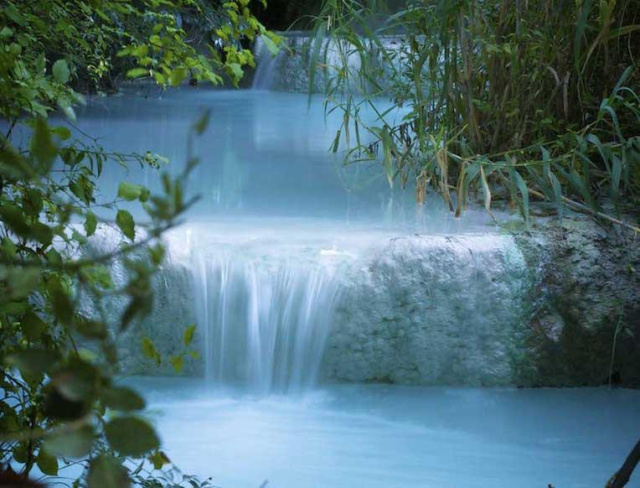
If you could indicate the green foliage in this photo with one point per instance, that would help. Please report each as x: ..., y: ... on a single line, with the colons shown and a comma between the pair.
x: 522, y: 100
x: 75, y: 443
x: 177, y: 361
x: 131, y: 436
x: 136, y: 39
x: 122, y: 399
x: 107, y: 471
x: 59, y: 399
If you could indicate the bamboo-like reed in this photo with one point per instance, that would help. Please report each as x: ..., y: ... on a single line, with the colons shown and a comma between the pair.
x: 541, y: 97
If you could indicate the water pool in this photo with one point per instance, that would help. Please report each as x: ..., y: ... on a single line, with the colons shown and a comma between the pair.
x: 375, y: 436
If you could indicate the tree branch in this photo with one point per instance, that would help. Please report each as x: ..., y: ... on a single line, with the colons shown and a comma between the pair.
x: 622, y: 476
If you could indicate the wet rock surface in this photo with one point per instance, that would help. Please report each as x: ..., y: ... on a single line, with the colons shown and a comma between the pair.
x: 586, y: 285
x: 432, y: 310
x: 172, y: 312
x: 541, y: 310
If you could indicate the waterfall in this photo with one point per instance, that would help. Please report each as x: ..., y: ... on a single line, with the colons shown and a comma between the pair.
x: 265, y: 77
x: 280, y: 305
x: 265, y: 321
x: 289, y: 70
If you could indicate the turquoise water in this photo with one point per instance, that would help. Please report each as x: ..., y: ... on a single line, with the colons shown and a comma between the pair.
x: 264, y: 153
x: 351, y: 436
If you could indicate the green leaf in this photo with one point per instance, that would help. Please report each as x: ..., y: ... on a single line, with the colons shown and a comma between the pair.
x: 47, y: 463
x: 270, y: 45
x: 129, y: 191
x: 90, y: 224
x: 91, y: 329
x: 54, y: 257
x: 235, y: 71
x: 32, y: 202
x: 33, y: 361
x: 131, y: 436
x: 123, y: 399
x: 67, y: 109
x: 177, y: 362
x: 125, y: 222
x: 5, y: 32
x: 21, y: 453
x: 33, y: 327
x: 524, y: 192
x: 159, y: 459
x: 201, y: 125
x: 159, y: 77
x: 150, y: 351
x: 42, y: 147
x: 139, y: 306
x: 62, y: 132
x: 188, y: 335
x: 82, y: 187
x: 557, y: 192
x: 14, y: 218
x: 107, y: 471
x: 137, y: 72
x: 79, y: 238
x: 22, y: 281
x: 63, y: 308
x: 99, y: 276
x: 157, y: 254
x: 42, y: 233
x: 178, y: 75
x: 78, y: 381
x: 61, y: 71
x: 8, y: 247
x: 485, y: 188
x: 70, y: 444
x: 144, y: 194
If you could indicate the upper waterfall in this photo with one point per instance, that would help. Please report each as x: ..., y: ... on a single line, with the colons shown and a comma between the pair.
x: 290, y: 69
x: 267, y: 66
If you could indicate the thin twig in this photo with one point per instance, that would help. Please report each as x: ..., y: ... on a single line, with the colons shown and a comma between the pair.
x: 584, y: 208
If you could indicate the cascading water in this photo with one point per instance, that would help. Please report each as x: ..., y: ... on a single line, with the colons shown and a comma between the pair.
x: 267, y: 66
x: 266, y: 318
x: 290, y: 69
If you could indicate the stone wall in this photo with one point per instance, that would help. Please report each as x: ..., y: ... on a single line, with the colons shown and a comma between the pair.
x: 172, y: 313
